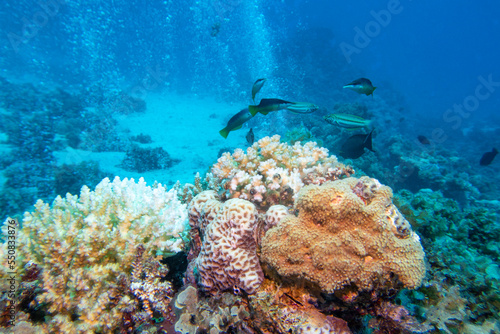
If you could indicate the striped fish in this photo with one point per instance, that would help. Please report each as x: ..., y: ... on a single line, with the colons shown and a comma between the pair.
x: 348, y: 121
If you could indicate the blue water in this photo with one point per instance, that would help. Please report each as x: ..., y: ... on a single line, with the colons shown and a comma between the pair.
x: 435, y: 65
x: 433, y: 52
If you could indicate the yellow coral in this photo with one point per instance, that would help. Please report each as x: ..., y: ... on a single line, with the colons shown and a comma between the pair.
x: 338, y: 239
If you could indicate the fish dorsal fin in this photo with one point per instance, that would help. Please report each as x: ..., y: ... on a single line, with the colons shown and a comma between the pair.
x: 351, y: 116
x: 267, y: 102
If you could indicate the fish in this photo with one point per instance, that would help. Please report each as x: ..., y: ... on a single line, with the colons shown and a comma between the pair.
x: 267, y: 105
x: 361, y: 86
x: 348, y: 121
x: 302, y: 107
x: 257, y: 85
x: 423, y: 140
x: 250, y: 137
x: 215, y: 29
x: 488, y: 157
x: 236, y: 122
x: 354, y: 146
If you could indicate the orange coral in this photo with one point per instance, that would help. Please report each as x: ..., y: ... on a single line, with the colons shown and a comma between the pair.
x: 339, y: 239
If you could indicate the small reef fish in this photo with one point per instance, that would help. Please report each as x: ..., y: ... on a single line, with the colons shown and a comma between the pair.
x: 236, y: 122
x: 267, y: 105
x: 423, y: 140
x: 250, y: 137
x: 354, y: 146
x: 257, y: 85
x: 302, y: 107
x: 488, y: 157
x: 293, y: 299
x: 215, y: 29
x: 361, y: 86
x: 348, y: 121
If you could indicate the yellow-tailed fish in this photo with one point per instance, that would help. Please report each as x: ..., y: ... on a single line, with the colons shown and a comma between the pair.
x: 267, y: 105
x: 302, y: 107
x: 257, y: 86
x: 348, y: 121
x: 236, y: 122
x: 361, y: 86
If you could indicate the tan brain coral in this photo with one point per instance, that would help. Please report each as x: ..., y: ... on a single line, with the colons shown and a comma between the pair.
x: 228, y: 256
x: 347, y: 232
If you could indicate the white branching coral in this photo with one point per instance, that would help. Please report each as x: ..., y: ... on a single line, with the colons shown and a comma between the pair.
x: 272, y: 172
x: 82, y: 244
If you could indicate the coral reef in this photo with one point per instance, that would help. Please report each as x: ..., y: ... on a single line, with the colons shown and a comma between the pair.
x: 462, y: 250
x: 142, y: 138
x: 291, y: 310
x: 270, y: 310
x: 413, y: 166
x: 354, y: 240
x: 393, y: 318
x: 97, y: 253
x: 272, y: 173
x: 335, y: 251
x: 70, y: 178
x: 37, y: 122
x: 228, y: 257
x: 141, y: 160
x: 347, y: 232
x: 226, y: 313
x: 300, y: 134
x: 145, y: 284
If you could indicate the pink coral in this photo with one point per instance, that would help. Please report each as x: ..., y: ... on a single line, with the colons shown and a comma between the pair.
x: 228, y: 256
x: 272, y: 172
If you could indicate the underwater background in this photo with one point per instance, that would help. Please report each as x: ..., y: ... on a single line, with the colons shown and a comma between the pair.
x: 133, y: 89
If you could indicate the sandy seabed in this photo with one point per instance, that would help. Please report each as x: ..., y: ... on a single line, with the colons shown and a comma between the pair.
x: 187, y: 127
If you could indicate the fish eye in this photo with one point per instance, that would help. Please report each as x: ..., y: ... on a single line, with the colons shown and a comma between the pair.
x: 252, y: 191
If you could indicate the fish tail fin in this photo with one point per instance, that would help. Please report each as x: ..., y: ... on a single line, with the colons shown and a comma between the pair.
x: 369, y: 125
x: 224, y: 132
x: 495, y: 150
x: 368, y: 142
x: 253, y: 110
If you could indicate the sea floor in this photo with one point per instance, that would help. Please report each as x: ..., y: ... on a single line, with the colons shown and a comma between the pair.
x: 187, y: 127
